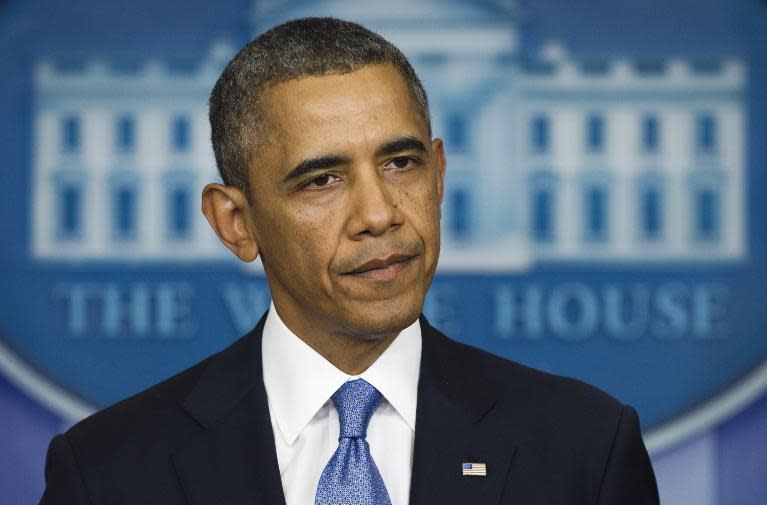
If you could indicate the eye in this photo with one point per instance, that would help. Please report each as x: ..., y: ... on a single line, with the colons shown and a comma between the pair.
x: 402, y: 162
x: 321, y: 181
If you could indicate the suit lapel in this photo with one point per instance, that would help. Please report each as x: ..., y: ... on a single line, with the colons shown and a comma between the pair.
x: 232, y: 460
x: 455, y: 424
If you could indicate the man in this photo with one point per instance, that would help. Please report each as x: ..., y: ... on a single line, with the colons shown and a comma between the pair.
x: 342, y: 394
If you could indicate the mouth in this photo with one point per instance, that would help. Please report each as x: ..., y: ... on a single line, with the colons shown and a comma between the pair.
x: 382, y: 269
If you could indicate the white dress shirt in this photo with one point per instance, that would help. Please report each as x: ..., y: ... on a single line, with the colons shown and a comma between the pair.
x: 299, y: 383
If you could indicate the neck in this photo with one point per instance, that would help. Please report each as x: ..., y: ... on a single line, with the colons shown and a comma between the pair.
x: 350, y: 353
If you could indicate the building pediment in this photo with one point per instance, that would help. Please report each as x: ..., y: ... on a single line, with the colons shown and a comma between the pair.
x: 425, y: 12
x: 427, y: 26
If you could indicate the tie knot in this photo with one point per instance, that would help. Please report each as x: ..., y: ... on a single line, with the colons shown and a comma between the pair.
x: 355, y: 401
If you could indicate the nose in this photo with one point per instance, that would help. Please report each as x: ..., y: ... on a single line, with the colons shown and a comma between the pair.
x: 374, y: 209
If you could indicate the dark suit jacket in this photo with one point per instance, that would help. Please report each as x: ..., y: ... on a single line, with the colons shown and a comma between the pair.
x: 204, y: 437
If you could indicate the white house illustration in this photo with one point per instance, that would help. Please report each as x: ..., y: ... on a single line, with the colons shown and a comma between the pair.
x: 551, y: 157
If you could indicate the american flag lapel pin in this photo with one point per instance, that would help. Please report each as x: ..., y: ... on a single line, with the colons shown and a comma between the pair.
x: 474, y: 469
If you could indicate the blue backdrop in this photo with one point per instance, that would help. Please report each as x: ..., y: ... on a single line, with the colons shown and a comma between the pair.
x: 604, y: 215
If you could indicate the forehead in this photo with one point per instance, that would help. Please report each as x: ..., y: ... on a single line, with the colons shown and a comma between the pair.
x: 334, y: 110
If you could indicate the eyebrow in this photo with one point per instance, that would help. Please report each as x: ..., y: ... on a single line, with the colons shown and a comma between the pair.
x: 312, y: 164
x: 401, y: 144
x: 394, y: 146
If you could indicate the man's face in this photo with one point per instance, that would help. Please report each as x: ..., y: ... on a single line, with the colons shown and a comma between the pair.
x: 347, y: 194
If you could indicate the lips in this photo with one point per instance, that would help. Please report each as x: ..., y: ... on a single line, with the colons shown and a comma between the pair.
x: 382, y: 269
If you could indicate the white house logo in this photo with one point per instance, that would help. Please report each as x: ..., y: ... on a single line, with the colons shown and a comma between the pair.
x: 594, y: 220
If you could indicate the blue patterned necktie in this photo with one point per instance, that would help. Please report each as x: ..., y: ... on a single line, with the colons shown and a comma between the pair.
x: 351, y: 476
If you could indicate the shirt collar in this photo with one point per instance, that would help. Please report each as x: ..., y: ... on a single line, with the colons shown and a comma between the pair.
x: 298, y: 380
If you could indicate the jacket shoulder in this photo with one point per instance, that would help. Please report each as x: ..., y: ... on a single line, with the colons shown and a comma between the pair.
x: 513, y: 380
x: 569, y: 438
x: 158, y: 414
x: 543, y: 405
x: 140, y: 414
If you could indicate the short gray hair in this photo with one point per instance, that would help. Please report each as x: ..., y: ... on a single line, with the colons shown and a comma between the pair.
x: 298, y: 48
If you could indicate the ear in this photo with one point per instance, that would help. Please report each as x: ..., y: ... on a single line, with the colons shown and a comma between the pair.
x: 227, y: 210
x: 438, y: 148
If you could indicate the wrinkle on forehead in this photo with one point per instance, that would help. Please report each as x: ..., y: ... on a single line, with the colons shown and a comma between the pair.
x: 357, y: 98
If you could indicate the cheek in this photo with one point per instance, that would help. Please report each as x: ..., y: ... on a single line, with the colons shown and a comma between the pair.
x: 287, y: 236
x: 424, y: 209
x: 314, y: 236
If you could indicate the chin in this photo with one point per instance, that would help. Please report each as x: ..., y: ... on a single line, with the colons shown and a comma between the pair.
x: 378, y: 320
